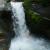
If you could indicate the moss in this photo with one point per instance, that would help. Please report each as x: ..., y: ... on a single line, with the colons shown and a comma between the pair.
x: 29, y: 13
x: 36, y: 18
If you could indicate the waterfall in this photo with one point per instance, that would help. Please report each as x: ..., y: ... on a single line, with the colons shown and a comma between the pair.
x: 22, y: 39
x: 19, y: 19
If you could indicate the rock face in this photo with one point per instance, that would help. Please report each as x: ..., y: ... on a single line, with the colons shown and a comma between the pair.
x: 39, y: 29
x: 43, y: 27
x: 6, y: 31
x: 43, y: 11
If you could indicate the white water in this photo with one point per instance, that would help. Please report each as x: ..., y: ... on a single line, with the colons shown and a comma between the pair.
x: 22, y: 40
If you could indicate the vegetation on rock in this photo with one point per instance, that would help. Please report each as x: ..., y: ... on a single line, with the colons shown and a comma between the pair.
x: 35, y: 22
x: 30, y: 13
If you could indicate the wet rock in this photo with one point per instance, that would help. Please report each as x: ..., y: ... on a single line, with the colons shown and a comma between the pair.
x: 43, y: 11
x: 6, y: 30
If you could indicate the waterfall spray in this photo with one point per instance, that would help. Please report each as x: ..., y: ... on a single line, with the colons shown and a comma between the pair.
x: 22, y: 39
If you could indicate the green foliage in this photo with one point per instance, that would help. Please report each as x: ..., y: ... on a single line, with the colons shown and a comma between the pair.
x: 29, y: 13
x: 36, y: 18
x: 27, y: 3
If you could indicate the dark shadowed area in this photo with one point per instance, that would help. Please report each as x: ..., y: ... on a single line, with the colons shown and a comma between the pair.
x: 6, y: 31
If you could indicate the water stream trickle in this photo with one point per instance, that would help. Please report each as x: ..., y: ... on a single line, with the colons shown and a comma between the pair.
x: 22, y: 39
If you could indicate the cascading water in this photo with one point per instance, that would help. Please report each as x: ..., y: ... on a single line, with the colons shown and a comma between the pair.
x: 22, y: 39
x: 19, y: 19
